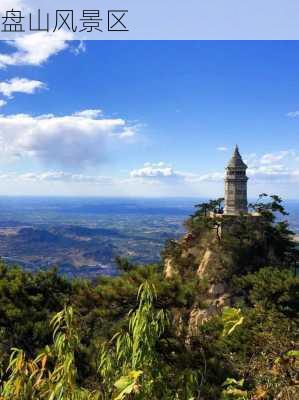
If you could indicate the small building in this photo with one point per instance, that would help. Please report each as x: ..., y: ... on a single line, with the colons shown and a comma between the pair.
x: 235, y: 193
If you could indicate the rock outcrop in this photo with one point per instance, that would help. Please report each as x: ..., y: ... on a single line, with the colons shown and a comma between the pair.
x: 208, y: 264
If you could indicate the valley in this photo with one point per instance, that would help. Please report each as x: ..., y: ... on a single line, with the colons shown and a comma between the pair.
x: 82, y: 237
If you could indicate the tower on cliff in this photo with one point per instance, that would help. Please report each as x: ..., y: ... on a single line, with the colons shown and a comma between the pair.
x: 235, y: 197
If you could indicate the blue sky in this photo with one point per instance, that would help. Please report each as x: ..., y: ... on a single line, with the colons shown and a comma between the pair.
x: 147, y: 118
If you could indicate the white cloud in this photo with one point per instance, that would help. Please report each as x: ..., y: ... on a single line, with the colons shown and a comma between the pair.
x: 278, y: 173
x: 164, y: 172
x: 6, y: 5
x: 211, y: 177
x: 271, y: 158
x: 70, y: 140
x: 81, y: 48
x: 222, y: 148
x: 58, y: 176
x: 154, y: 170
x: 281, y: 166
x: 128, y: 132
x: 251, y: 159
x: 293, y: 114
x: 35, y: 49
x: 20, y: 85
x: 2, y: 103
x: 94, y: 113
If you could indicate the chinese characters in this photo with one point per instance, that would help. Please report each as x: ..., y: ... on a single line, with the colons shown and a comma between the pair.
x: 89, y: 21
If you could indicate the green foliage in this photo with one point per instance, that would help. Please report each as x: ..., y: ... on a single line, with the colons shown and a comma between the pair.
x: 268, y: 209
x: 27, y: 303
x: 258, y: 351
x: 51, y: 375
x: 214, y: 206
x: 271, y: 288
x: 131, y: 357
x: 234, y: 390
x: 127, y: 384
x: 146, y: 360
x: 206, y: 217
x: 130, y: 365
x: 231, y: 318
x: 248, y: 241
x: 131, y: 337
x: 257, y: 240
x: 123, y: 264
x: 172, y: 248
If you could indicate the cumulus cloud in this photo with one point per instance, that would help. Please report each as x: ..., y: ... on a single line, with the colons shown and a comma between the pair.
x: 163, y: 172
x: 2, y: 103
x: 293, y: 114
x: 94, y: 113
x: 281, y: 166
x: 20, y: 85
x: 271, y: 158
x: 70, y: 140
x: 35, y: 49
x: 154, y: 170
x: 163, y: 175
x: 277, y: 173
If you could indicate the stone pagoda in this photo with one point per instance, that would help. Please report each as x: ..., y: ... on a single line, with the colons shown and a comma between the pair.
x: 235, y: 194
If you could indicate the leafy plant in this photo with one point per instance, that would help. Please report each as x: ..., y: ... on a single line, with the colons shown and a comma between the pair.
x: 233, y: 390
x: 37, y: 379
x: 131, y: 357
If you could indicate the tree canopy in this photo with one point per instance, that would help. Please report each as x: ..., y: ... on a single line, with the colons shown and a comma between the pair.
x: 132, y: 337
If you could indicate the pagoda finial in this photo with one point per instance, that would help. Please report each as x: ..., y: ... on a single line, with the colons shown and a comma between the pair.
x: 236, y: 151
x: 236, y: 160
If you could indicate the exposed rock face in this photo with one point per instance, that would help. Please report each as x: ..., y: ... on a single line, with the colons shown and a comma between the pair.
x: 216, y: 300
x: 206, y: 254
x: 205, y: 262
x: 217, y: 289
x: 169, y: 269
x: 198, y: 317
x: 194, y: 251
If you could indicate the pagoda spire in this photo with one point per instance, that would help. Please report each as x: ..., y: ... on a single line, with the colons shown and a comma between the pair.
x: 236, y: 160
x: 235, y: 197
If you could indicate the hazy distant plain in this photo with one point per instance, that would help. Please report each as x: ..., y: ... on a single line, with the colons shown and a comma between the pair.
x: 82, y: 236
